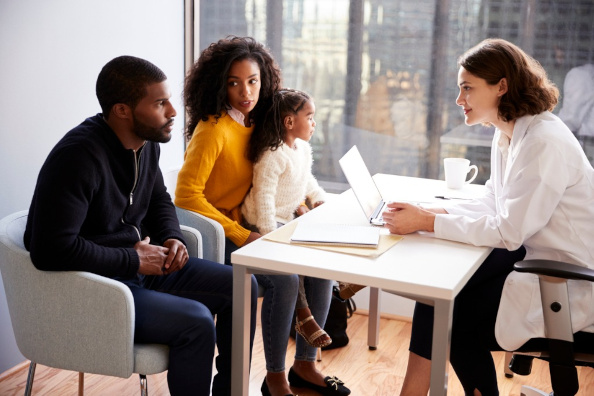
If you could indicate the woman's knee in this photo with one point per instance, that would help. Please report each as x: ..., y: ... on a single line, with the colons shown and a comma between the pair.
x: 280, y: 283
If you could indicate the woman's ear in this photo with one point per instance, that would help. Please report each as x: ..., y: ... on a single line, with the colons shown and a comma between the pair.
x: 288, y: 122
x: 502, y: 87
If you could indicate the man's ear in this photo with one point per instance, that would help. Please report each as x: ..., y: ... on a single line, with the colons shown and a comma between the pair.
x: 502, y: 87
x: 288, y: 122
x: 121, y: 110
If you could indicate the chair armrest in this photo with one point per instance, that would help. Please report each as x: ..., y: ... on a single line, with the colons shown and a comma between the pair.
x: 213, y: 235
x: 193, y: 240
x: 72, y: 320
x: 556, y: 269
x: 553, y: 276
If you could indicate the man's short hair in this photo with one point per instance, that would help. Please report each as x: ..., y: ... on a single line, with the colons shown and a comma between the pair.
x: 124, y: 80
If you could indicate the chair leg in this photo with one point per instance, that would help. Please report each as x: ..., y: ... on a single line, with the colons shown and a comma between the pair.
x: 30, y: 377
x: 143, y: 385
x: 81, y: 384
x: 506, y: 369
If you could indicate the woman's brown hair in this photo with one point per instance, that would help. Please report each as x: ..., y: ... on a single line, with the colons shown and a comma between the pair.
x: 529, y: 90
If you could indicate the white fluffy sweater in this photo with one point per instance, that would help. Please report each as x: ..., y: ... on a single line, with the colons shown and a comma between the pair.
x: 282, y: 180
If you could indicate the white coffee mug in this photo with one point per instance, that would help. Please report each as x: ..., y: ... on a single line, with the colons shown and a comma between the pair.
x: 456, y: 170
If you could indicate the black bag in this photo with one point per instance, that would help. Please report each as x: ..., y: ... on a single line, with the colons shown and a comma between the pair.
x: 336, y: 323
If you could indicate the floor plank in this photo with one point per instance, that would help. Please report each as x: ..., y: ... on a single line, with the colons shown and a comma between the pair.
x: 366, y: 372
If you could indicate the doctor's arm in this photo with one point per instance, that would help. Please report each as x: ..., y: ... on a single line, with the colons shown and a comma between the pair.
x: 404, y: 218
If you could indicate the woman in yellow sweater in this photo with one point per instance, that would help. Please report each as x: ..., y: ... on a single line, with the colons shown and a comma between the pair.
x: 226, y: 95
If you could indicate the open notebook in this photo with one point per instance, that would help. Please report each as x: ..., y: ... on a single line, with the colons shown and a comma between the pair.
x: 336, y: 235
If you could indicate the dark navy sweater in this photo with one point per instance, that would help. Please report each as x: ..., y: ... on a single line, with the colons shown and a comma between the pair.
x: 94, y: 200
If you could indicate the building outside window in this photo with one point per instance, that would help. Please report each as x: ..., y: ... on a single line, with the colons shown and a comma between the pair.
x: 383, y: 72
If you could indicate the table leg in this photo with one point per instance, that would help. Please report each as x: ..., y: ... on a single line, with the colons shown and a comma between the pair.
x: 240, y: 365
x: 374, y: 317
x: 440, y: 352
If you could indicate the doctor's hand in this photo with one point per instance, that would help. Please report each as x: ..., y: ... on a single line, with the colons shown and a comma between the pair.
x: 404, y: 218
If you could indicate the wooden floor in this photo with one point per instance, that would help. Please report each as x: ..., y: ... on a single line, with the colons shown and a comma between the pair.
x: 365, y: 372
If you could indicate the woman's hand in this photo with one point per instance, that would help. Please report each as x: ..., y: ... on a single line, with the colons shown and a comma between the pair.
x: 404, y: 218
x: 253, y: 236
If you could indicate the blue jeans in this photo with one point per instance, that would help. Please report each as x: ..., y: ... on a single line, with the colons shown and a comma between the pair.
x: 177, y: 310
x: 278, y: 308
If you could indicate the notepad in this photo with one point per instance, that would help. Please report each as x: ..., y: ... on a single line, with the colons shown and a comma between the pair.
x: 336, y: 235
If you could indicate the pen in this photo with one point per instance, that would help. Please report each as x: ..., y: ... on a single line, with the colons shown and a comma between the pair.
x: 444, y: 197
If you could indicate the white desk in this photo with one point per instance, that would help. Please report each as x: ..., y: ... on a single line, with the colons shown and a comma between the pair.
x: 419, y: 267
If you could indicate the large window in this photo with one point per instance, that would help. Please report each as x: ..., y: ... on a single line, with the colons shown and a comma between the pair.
x: 383, y: 72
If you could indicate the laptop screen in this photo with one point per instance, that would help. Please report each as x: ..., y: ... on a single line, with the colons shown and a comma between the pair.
x: 360, y: 180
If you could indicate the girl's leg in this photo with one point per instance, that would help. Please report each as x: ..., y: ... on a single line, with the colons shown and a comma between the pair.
x: 306, y: 323
x: 301, y: 298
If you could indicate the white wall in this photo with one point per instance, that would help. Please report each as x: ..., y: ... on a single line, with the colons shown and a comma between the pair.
x: 51, y: 53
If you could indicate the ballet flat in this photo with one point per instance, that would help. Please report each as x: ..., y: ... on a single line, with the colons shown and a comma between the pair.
x: 334, y: 386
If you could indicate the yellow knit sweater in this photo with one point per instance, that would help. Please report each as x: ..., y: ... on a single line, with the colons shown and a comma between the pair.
x: 216, y: 175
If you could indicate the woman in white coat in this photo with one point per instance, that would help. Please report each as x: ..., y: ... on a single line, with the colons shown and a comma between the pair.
x: 539, y: 202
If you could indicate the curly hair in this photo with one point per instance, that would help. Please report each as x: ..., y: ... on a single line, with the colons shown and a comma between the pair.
x: 272, y: 132
x: 205, y: 88
x: 529, y: 91
x: 124, y: 80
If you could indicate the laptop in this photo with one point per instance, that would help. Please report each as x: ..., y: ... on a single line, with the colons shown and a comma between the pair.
x: 363, y: 186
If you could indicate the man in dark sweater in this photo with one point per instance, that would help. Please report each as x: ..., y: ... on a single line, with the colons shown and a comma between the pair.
x: 100, y: 205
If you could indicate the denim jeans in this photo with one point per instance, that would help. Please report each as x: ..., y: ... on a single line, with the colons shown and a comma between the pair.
x: 177, y: 310
x: 278, y: 308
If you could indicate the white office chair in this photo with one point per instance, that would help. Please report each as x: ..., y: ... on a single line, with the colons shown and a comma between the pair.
x: 75, y: 320
x: 562, y: 348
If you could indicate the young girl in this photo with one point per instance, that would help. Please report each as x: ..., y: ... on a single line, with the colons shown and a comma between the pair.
x: 226, y: 94
x: 283, y: 180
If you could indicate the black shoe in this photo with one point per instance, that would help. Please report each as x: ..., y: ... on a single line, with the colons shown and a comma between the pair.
x: 266, y: 391
x: 334, y: 386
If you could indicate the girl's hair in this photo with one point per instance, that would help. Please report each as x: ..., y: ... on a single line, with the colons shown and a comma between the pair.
x: 529, y: 91
x: 272, y: 133
x: 205, y: 88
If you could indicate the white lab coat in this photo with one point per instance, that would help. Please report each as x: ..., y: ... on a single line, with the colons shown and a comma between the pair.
x: 543, y: 198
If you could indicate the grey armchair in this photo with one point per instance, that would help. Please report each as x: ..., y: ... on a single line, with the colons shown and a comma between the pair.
x: 73, y: 320
x: 213, y: 235
x: 562, y: 348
